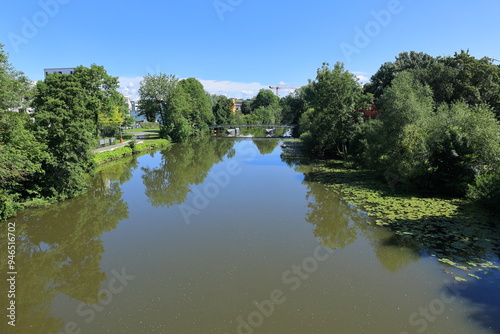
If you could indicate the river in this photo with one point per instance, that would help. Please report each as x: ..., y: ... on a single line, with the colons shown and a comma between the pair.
x: 222, y: 236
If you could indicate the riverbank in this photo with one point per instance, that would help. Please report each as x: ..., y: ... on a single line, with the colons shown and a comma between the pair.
x: 454, y: 231
x: 130, y: 149
x: 10, y: 208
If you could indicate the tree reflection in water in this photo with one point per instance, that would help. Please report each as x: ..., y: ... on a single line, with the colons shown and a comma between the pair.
x: 183, y: 165
x: 51, y: 261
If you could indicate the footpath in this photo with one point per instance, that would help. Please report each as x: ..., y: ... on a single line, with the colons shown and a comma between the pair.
x: 114, y: 147
x: 138, y: 136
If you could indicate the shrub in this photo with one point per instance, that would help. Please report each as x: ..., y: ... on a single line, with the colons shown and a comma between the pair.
x: 132, y: 145
x: 486, y: 190
x: 463, y: 142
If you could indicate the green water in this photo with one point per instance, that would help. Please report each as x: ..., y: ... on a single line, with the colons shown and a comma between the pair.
x: 222, y: 236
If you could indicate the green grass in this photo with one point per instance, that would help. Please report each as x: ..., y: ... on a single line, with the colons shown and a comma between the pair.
x: 103, y: 157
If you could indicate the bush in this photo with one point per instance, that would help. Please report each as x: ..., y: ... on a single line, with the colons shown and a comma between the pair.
x: 7, y: 206
x: 463, y: 142
x: 133, y: 144
x: 486, y: 190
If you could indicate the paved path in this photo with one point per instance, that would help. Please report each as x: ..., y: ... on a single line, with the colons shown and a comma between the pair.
x: 138, y: 136
x: 113, y: 147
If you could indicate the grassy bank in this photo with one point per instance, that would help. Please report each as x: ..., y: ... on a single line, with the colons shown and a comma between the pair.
x: 103, y: 157
x: 462, y: 235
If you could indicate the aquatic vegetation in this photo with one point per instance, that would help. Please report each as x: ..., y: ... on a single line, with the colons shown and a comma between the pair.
x: 458, y: 234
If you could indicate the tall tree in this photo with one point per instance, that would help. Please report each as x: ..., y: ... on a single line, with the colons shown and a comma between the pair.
x: 477, y: 81
x: 404, y: 61
x: 200, y: 113
x: 155, y: 91
x: 64, y: 122
x: 102, y: 97
x: 67, y: 110
x: 14, y: 85
x: 21, y: 152
x: 223, y: 110
x: 264, y: 98
x: 246, y: 107
x: 333, y: 120
x: 186, y: 111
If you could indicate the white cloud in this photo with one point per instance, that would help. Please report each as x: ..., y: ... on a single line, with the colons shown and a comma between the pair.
x: 239, y: 90
x: 129, y: 87
x: 282, y: 83
x: 363, y: 77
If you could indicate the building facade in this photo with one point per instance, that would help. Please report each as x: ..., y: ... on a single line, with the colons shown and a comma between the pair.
x: 66, y: 70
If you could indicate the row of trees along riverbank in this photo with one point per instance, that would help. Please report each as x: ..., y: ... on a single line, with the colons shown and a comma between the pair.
x: 427, y: 124
x: 435, y: 128
x: 48, y: 132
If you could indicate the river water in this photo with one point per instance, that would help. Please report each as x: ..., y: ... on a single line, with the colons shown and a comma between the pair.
x: 222, y: 236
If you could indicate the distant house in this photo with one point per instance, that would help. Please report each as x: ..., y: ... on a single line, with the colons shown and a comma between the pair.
x: 237, y: 105
x: 68, y: 70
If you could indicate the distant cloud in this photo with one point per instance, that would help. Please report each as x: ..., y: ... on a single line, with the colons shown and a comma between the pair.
x: 130, y: 87
x: 363, y: 77
x: 239, y: 90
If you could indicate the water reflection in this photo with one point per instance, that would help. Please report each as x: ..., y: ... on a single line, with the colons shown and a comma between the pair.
x: 265, y: 146
x: 59, y: 249
x: 467, y: 244
x: 337, y: 225
x: 183, y: 165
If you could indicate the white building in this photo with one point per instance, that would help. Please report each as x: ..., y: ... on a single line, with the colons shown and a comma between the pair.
x: 68, y: 70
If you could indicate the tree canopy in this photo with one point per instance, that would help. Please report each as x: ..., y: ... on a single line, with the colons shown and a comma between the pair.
x: 331, y: 122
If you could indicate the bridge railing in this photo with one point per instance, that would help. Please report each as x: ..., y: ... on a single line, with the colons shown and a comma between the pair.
x: 218, y: 126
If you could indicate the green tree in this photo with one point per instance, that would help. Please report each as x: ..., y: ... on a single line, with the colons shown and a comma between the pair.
x: 457, y: 78
x: 294, y: 105
x: 101, y: 97
x: 20, y: 151
x: 21, y: 156
x: 264, y: 98
x: 246, y: 107
x: 155, y: 91
x: 405, y: 61
x: 404, y: 102
x: 476, y: 81
x: 186, y: 111
x: 199, y: 112
x: 14, y: 86
x: 223, y: 110
x: 333, y: 121
x: 65, y: 121
x: 464, y: 143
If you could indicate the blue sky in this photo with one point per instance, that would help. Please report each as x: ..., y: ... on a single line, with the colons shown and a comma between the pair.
x: 236, y: 47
